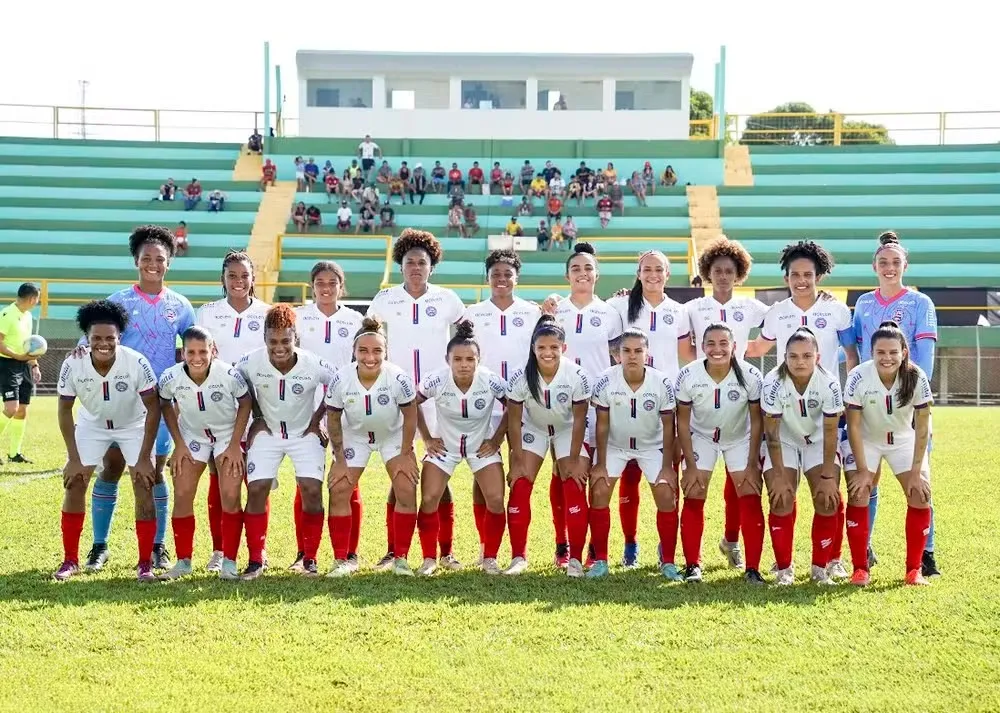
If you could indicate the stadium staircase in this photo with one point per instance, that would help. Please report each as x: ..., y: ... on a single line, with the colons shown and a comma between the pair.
x: 268, y: 225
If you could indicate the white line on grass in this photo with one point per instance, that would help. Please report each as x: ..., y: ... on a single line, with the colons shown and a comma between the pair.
x: 24, y: 480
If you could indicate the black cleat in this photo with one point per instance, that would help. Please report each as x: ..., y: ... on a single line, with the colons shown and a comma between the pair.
x: 309, y: 568
x: 161, y: 557
x: 296, y: 566
x: 752, y: 576
x: 19, y: 458
x: 97, y: 558
x: 692, y: 573
x: 928, y: 567
x: 253, y: 571
x: 872, y: 559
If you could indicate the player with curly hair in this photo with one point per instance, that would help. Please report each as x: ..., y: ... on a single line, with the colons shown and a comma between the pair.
x: 419, y: 316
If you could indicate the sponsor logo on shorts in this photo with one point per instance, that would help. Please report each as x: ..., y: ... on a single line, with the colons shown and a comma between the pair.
x: 9, y: 395
x: 480, y: 404
x: 251, y: 467
x: 595, y: 321
x: 738, y: 316
x: 812, y: 403
x: 348, y: 453
x: 253, y: 325
x: 528, y: 438
x: 734, y: 395
x: 121, y: 386
x: 297, y: 389
x: 194, y: 446
x: 696, y: 456
x: 517, y: 322
x: 562, y: 397
x: 431, y: 310
x: 649, y: 404
x: 342, y: 332
x: 217, y: 396
x: 850, y: 459
x: 383, y: 399
x: 820, y: 323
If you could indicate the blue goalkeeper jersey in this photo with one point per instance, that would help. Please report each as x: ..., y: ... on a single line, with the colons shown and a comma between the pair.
x: 913, y: 312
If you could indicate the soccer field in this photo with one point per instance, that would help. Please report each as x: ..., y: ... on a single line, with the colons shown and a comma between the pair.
x: 462, y: 641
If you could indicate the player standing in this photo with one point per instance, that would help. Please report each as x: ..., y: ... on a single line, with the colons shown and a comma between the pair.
x: 207, y: 406
x: 18, y: 372
x: 718, y: 405
x: 916, y: 317
x: 635, y: 424
x: 119, y: 409
x: 888, y: 419
x: 419, y: 317
x: 284, y: 380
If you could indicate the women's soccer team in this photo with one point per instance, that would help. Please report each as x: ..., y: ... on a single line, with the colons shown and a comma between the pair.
x: 597, y: 385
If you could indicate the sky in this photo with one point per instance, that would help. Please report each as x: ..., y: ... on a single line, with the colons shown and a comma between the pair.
x: 871, y: 57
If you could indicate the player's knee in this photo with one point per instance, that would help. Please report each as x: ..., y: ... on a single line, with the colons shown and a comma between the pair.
x: 406, y: 494
x: 446, y: 495
x: 10, y: 409
x: 22, y: 412
x: 749, y: 486
x: 494, y: 501
x: 825, y: 503
x: 600, y: 494
x: 341, y: 491
x: 781, y: 500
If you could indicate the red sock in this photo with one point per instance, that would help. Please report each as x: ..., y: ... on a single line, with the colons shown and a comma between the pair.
x: 214, y: 512
x: 341, y: 530
x: 357, y: 510
x: 390, y: 525
x: 782, y: 529
x: 312, y: 533
x: 428, y: 526
x: 300, y: 541
x: 732, y: 499
x: 837, y: 546
x: 72, y: 526
x: 479, y: 514
x: 692, y: 527
x: 494, y: 524
x: 183, y: 536
x: 918, y: 523
x: 232, y: 531
x: 856, y: 520
x: 558, y: 509
x: 628, y: 501
x: 267, y: 515
x: 577, y: 517
x: 519, y: 516
x: 402, y: 526
x: 145, y: 531
x: 666, y: 526
x: 823, y: 529
x: 752, y: 525
x: 600, y: 530
x: 446, y: 527
x: 256, y: 525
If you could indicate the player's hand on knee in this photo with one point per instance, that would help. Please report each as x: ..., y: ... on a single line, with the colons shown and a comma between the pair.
x: 860, y: 484
x: 917, y: 489
x: 74, y: 471
x: 435, y: 447
x: 694, y: 484
x: 144, y: 474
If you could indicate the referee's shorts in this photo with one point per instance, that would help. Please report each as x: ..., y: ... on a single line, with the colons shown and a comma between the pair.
x: 16, y: 383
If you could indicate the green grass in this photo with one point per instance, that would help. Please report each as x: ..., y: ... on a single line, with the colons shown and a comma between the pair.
x: 540, y: 642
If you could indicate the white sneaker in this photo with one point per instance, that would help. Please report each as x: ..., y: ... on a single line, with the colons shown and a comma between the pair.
x: 836, y: 570
x: 821, y: 576
x: 785, y: 577
x: 482, y: 553
x: 341, y: 568
x: 574, y: 568
x: 427, y: 568
x: 490, y: 566
x: 401, y: 567
x: 181, y: 568
x: 451, y: 562
x: 386, y: 563
x: 215, y: 562
x: 228, y: 570
x: 518, y: 565
x: 731, y: 551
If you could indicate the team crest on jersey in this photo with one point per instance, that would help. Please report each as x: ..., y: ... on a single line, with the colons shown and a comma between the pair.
x: 343, y: 332
x: 169, y: 315
x: 812, y: 403
x: 668, y: 318
x: 217, y: 396
x: 734, y: 395
x: 649, y: 404
x: 194, y: 446
x: 528, y: 438
x: 562, y: 397
x: 595, y: 321
x: 517, y: 322
x: 121, y: 386
x: 480, y: 404
x: 821, y: 323
x: 738, y: 316
x: 348, y: 453
x: 253, y: 325
x: 251, y: 467
x: 897, y: 316
x: 297, y: 389
x: 383, y: 399
x: 431, y: 310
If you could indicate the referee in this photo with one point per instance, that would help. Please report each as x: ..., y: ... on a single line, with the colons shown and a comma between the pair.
x: 18, y: 372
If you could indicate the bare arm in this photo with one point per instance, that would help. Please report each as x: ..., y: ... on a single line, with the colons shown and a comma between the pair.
x: 335, y: 429
x: 851, y: 353
x: 831, y: 439
x: 5, y: 350
x: 68, y: 429
x: 243, y: 411
x: 756, y: 432
x: 409, y: 427
x: 772, y: 432
x: 579, y: 427
x: 684, y: 433
x: 759, y: 347
x: 685, y: 350
x: 856, y: 438
x: 603, y: 431
x: 667, y: 419
x: 169, y: 412
x: 514, y: 414
x: 151, y: 400
x: 422, y: 429
x: 922, y: 417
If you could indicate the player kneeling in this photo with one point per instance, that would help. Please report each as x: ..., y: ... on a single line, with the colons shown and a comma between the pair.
x: 802, y: 404
x: 888, y: 419
x: 718, y: 404
x: 635, y: 421
x: 206, y: 405
x: 463, y: 395
x: 118, y: 407
x: 371, y: 408
x: 284, y: 381
x: 552, y: 395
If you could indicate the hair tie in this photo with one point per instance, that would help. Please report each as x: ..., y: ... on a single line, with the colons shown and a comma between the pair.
x: 363, y: 334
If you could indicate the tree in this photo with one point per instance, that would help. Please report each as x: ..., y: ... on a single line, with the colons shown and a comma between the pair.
x: 808, y: 130
x: 702, y: 108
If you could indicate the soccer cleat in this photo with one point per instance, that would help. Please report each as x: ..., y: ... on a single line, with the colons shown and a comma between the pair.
x: 835, y: 570
x: 861, y: 578
x: 670, y: 572
x: 872, y: 559
x: 181, y: 568
x: 490, y: 566
x: 341, y: 568
x: 309, y: 568
x: 352, y: 562
x: 785, y: 577
x: 630, y: 558
x: 482, y: 553
x: 19, y: 458
x: 591, y: 556
x: 574, y: 568
x: 562, y: 556
x: 401, y: 567
x: 821, y: 576
x: 915, y: 578
x: 928, y: 567
x: 228, y: 570
x: 296, y: 566
x: 264, y: 561
x: 752, y: 576
x: 386, y: 563
x: 451, y: 562
x: 598, y: 569
x: 144, y: 572
x: 518, y: 565
x: 215, y: 562
x: 427, y: 567
x: 252, y: 571
x: 161, y: 557
x: 66, y: 570
x: 692, y: 573
x: 731, y: 551
x: 97, y: 558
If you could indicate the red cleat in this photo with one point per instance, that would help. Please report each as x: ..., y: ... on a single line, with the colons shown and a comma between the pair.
x: 916, y: 578
x: 861, y: 578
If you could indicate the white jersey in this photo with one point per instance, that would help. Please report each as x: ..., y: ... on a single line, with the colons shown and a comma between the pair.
x: 826, y: 319
x: 666, y: 325
x: 883, y: 420
x: 330, y: 338
x: 719, y: 411
x: 374, y: 411
x: 553, y: 410
x: 112, y: 401
x: 235, y: 333
x: 504, y: 336
x: 287, y: 401
x: 418, y: 329
x: 588, y: 332
x: 740, y: 314
x: 802, y: 414
x: 368, y: 149
x: 207, y: 410
x: 463, y: 418
x: 635, y: 416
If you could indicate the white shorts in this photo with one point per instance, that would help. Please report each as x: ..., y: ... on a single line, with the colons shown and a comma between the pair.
x: 899, y: 457
x: 265, y: 456
x: 92, y: 443
x: 706, y: 454
x: 650, y: 462
x: 799, y: 458
x: 359, y: 449
x: 202, y: 449
x: 590, y: 435
x: 449, y: 461
x: 537, y: 441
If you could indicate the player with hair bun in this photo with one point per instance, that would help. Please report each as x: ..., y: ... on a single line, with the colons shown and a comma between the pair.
x: 283, y: 380
x: 118, y: 409
x: 371, y: 408
x: 419, y: 316
x: 464, y: 394
x: 888, y: 420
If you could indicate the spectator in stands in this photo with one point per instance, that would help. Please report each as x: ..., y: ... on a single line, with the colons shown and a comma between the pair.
x: 216, y: 201
x: 602, y: 184
x: 384, y: 174
x: 610, y: 174
x: 583, y: 171
x: 456, y: 197
x: 604, y: 206
x: 575, y: 190
x: 354, y: 170
x: 476, y: 176
x: 366, y: 221
x: 255, y: 144
x: 300, y: 174
x: 496, y: 178
x: 367, y: 151
x: 268, y: 174
x: 455, y: 220
x: 419, y: 184
x: 555, y: 206
x: 167, y: 191
x: 471, y: 224
x: 649, y: 178
x: 526, y: 208
x: 669, y: 178
x: 332, y: 185
x: 539, y: 187
x: 328, y: 168
x: 438, y: 177
x: 513, y: 228
x: 313, y: 217
x: 549, y: 171
x: 543, y: 236
x: 404, y: 176
x: 397, y: 187
x: 299, y: 216
x: 455, y: 178
x: 181, y: 233
x: 192, y: 194
x: 387, y: 216
x: 344, y: 215
x: 527, y: 175
x: 312, y: 174
x: 569, y: 231
x: 589, y: 186
x: 617, y: 196
x: 357, y: 187
x: 507, y: 187
x: 638, y: 186
x: 370, y: 195
x: 557, y: 186
x: 557, y: 235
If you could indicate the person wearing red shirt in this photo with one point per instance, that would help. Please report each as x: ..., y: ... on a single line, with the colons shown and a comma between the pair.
x: 604, y: 206
x: 192, y: 194
x: 332, y: 185
x: 455, y: 178
x: 475, y: 174
x: 268, y: 174
x: 555, y: 208
x: 496, y: 177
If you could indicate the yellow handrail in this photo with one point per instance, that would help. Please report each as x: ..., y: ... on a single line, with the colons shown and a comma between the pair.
x: 330, y: 254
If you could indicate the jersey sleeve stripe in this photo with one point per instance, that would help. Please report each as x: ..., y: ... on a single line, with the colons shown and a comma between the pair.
x: 336, y: 409
x: 856, y: 407
x: 922, y: 405
x: 925, y: 335
x: 149, y: 390
x: 682, y: 402
x: 831, y: 415
x: 511, y: 399
x: 66, y: 397
x: 599, y: 407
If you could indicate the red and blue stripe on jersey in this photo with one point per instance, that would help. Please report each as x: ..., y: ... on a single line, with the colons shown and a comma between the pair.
x: 237, y: 327
x: 503, y: 325
x: 368, y: 404
x: 106, y: 390
x: 465, y: 409
x: 328, y: 333
x: 281, y: 389
x: 201, y: 401
x: 579, y: 324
